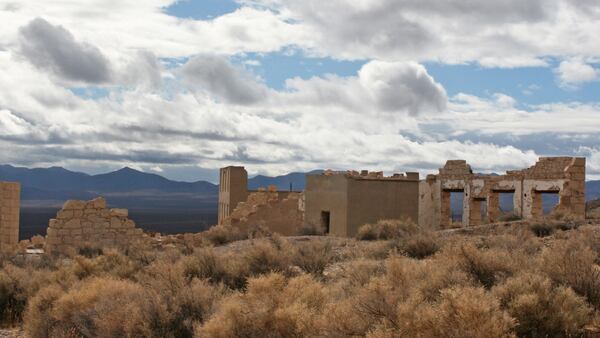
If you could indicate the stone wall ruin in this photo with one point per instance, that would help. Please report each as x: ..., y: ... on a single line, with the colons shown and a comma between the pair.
x: 9, y: 214
x: 90, y: 223
x: 563, y: 176
x: 278, y: 211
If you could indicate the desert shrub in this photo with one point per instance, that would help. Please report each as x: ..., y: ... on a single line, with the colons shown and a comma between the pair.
x: 313, y: 256
x: 223, y: 234
x: 17, y: 285
x: 38, y: 320
x: 387, y: 229
x: 272, y: 307
x: 264, y: 256
x: 541, y: 309
x: 258, y: 231
x: 572, y: 263
x: 420, y: 245
x: 12, y: 298
x: 311, y: 230
x: 357, y: 273
x: 509, y: 217
x: 543, y: 229
x: 486, y: 266
x: 460, y: 312
x: 95, y: 308
x: 106, y: 307
x: 89, y: 251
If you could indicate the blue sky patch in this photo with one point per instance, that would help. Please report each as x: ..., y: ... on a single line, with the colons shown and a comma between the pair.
x: 528, y: 85
x: 90, y: 93
x: 275, y: 68
x: 201, y: 10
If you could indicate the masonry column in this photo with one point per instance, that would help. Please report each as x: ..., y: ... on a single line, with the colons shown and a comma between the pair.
x: 445, y: 210
x: 10, y: 195
x: 493, y: 207
x: 233, y: 189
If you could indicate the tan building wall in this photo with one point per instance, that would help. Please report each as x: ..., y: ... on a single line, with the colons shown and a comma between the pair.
x: 349, y: 200
x: 233, y: 189
x: 10, y: 197
x: 564, y: 176
x: 81, y: 223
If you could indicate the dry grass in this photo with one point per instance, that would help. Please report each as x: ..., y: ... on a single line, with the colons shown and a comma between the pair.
x: 500, y: 281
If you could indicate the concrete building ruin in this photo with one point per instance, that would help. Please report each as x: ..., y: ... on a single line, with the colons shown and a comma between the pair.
x: 340, y: 202
x: 278, y: 211
x: 561, y: 176
x: 10, y: 193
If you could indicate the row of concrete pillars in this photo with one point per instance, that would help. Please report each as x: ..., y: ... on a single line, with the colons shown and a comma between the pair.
x: 477, y: 211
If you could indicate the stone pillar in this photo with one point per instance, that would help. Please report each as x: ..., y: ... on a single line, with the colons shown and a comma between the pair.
x: 493, y: 207
x: 475, y: 212
x: 445, y: 212
x: 233, y: 189
x: 10, y: 193
x: 537, y: 207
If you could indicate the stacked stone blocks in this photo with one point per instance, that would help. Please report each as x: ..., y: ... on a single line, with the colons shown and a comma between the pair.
x: 91, y: 223
x: 9, y: 214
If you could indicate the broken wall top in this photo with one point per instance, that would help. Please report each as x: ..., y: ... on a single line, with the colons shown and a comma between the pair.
x: 373, y: 175
x: 544, y: 168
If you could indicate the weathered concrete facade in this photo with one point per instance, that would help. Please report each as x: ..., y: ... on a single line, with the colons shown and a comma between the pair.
x: 278, y: 211
x: 564, y: 176
x: 233, y: 189
x: 10, y: 193
x: 81, y: 223
x: 341, y: 202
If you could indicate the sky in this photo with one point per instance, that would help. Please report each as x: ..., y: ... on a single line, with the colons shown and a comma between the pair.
x: 181, y: 88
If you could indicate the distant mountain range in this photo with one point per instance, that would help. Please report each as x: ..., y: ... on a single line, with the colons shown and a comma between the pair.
x: 133, y: 188
x: 127, y: 187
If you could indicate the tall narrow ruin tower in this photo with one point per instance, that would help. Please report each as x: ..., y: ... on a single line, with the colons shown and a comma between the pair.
x: 10, y: 193
x: 233, y: 189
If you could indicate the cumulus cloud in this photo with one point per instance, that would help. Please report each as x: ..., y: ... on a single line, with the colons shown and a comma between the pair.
x: 509, y: 33
x: 402, y: 86
x: 380, y: 87
x: 574, y: 72
x: 215, y: 75
x: 55, y: 49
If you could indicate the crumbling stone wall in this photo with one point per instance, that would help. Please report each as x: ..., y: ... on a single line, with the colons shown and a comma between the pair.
x: 280, y: 212
x: 562, y: 175
x: 10, y: 193
x: 81, y: 223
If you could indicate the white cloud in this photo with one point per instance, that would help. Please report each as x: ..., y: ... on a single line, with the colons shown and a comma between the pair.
x: 55, y: 49
x: 574, y: 72
x: 509, y: 33
x: 391, y: 115
x: 215, y: 75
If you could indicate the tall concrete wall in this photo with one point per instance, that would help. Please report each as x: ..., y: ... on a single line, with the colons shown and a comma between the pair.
x: 352, y: 199
x: 233, y: 189
x: 10, y: 196
x: 372, y: 200
x: 327, y: 193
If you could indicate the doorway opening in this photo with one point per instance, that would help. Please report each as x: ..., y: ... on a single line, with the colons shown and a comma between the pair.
x: 456, y: 206
x: 325, y: 219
